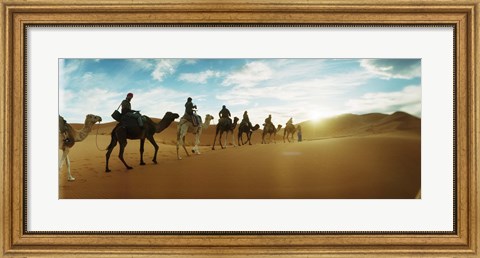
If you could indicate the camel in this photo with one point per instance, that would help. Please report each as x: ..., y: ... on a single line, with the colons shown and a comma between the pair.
x: 289, y: 131
x: 121, y: 133
x: 67, y: 131
x: 184, y: 127
x: 270, y: 129
x: 225, y: 126
x: 245, y: 128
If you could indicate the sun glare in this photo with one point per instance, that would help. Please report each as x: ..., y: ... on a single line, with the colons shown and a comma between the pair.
x: 315, y: 115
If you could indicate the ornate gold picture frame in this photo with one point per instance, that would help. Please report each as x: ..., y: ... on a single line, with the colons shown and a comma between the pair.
x: 17, y: 241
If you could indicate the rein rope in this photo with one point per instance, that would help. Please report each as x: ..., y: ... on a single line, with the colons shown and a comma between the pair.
x: 96, y: 137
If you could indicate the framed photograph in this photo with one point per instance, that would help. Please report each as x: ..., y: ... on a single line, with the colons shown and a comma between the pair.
x: 236, y: 129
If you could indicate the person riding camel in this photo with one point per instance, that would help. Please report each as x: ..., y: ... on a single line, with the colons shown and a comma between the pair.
x: 129, y: 112
x: 246, y: 120
x: 189, y: 108
x: 268, y: 121
x: 225, y: 114
x: 290, y: 121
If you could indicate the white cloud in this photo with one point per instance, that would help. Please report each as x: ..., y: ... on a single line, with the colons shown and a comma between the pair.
x: 393, y: 68
x: 201, y: 77
x: 306, y: 99
x: 408, y: 100
x: 310, y: 90
x: 164, y: 67
x: 250, y: 75
x: 141, y: 63
x: 66, y: 70
x: 87, y: 76
x: 190, y: 61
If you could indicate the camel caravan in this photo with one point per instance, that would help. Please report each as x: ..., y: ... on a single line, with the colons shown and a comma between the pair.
x: 134, y: 126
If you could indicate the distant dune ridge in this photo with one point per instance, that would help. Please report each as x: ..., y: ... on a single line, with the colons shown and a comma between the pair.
x: 383, y: 154
x: 373, y: 123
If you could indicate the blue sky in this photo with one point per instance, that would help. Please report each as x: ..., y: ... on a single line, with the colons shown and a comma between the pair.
x: 304, y: 89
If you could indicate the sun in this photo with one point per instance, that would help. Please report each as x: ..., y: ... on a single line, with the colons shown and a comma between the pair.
x: 315, y: 115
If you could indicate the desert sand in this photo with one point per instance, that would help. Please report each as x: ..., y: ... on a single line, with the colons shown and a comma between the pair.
x: 349, y: 156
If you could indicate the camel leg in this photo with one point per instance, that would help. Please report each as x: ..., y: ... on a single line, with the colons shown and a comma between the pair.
x: 120, y: 154
x: 197, y: 142
x: 110, y: 148
x: 183, y: 145
x: 220, y: 140
x: 239, y: 138
x: 215, y: 140
x: 65, y: 159
x: 182, y: 131
x: 178, y: 155
x: 62, y: 160
x: 107, y: 156
x: 142, y: 145
x: 226, y: 139
x: 155, y: 145
x: 249, y: 137
x: 233, y: 140
x: 70, y: 177
x: 178, y: 146
x: 285, y: 132
x: 179, y: 141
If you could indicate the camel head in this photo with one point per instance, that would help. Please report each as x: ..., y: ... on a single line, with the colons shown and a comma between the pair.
x: 92, y: 119
x: 169, y: 116
x: 256, y: 127
x: 235, y: 120
x: 208, y: 118
x: 279, y: 127
x: 165, y: 122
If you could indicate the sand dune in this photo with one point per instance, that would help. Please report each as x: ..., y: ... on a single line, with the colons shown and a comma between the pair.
x: 350, y: 156
x: 374, y: 123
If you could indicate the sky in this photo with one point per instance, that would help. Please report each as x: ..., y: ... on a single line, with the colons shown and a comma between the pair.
x: 304, y: 89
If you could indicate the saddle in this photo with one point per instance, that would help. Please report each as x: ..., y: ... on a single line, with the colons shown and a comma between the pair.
x: 244, y: 126
x: 195, y: 119
x: 129, y: 121
x: 64, y: 129
x: 225, y: 120
x: 268, y: 126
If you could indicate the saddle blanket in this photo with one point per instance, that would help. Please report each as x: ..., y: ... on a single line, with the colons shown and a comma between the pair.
x: 195, y: 119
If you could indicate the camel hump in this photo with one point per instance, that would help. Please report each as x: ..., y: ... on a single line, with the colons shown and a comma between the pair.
x: 62, y: 124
